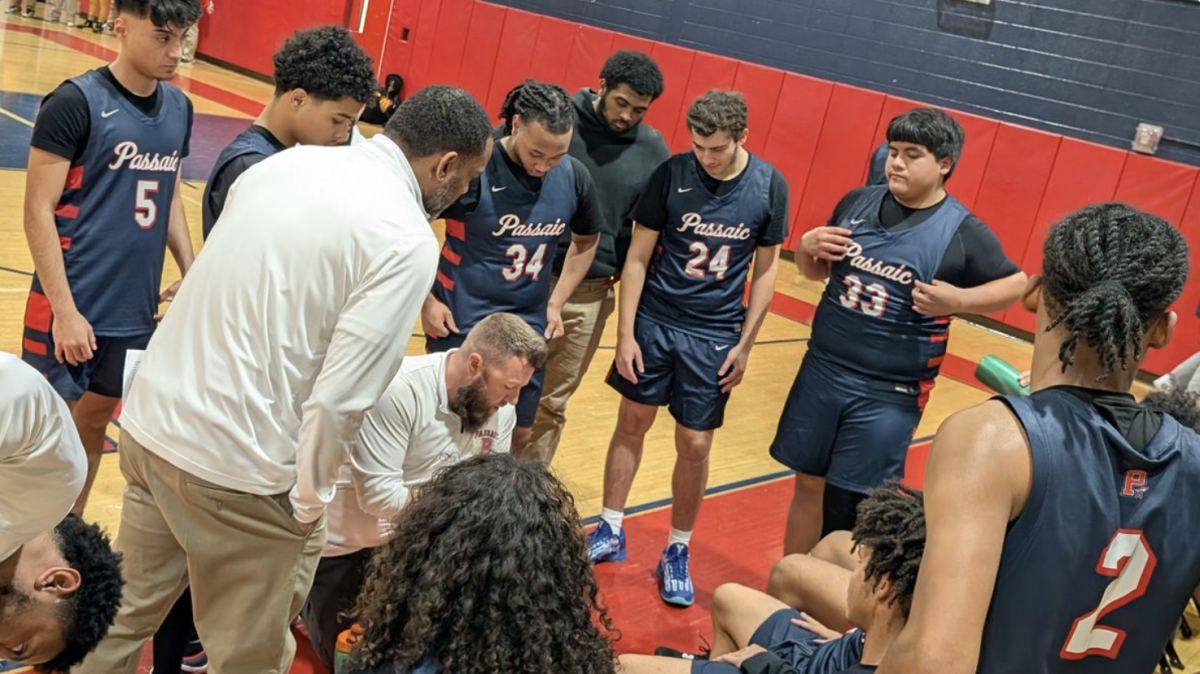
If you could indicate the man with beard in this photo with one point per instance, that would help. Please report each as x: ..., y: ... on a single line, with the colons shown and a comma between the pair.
x: 249, y: 397
x: 620, y: 153
x: 442, y: 408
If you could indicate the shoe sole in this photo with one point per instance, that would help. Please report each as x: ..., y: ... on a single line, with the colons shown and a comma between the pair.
x: 618, y: 556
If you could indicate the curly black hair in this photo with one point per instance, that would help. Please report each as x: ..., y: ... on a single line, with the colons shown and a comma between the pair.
x: 162, y: 13
x: 440, y: 118
x: 932, y: 128
x: 327, y: 63
x: 87, y: 614
x: 891, y: 525
x: 716, y: 110
x: 636, y: 69
x: 542, y: 102
x: 1179, y: 402
x: 1109, y: 271
x: 487, y: 571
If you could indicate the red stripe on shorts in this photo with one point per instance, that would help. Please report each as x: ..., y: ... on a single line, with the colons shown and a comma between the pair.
x: 38, y: 312
x: 35, y: 347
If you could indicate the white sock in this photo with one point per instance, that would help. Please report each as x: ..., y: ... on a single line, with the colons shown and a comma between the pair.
x: 677, y: 536
x: 613, y: 518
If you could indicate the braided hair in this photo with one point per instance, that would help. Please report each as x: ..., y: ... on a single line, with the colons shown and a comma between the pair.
x: 891, y: 524
x: 1110, y: 271
x: 542, y: 102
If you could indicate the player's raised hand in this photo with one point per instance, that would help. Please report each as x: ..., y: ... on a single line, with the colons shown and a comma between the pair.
x: 936, y: 299
x: 826, y: 243
x: 166, y: 296
x: 74, y: 341
x: 733, y: 368
x: 436, y: 319
x: 629, y: 359
x: 824, y: 634
x: 554, y: 322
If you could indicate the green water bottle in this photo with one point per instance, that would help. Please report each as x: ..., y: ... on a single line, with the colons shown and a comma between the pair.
x: 1001, y: 377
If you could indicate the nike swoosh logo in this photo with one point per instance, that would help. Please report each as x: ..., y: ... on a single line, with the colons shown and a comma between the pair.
x: 110, y: 113
x: 498, y: 189
x: 683, y: 191
x: 858, y: 221
x: 722, y: 347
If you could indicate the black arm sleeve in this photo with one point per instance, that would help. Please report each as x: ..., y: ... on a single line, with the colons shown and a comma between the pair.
x: 651, y: 209
x: 975, y: 257
x: 187, y: 139
x: 63, y: 123
x: 224, y: 180
x: 844, y: 205
x: 767, y: 663
x: 466, y: 204
x: 777, y: 227
x: 588, y: 219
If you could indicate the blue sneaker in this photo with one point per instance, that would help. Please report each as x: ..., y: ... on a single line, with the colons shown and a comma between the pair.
x: 605, y: 546
x: 676, y: 579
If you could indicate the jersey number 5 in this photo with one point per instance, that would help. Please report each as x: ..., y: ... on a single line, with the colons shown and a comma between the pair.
x: 519, y: 253
x: 1129, y: 559
x: 145, y: 211
x: 873, y: 304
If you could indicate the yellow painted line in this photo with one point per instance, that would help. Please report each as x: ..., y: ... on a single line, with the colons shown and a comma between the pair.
x: 17, y: 117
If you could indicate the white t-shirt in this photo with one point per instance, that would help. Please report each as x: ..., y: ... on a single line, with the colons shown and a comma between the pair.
x: 409, y: 436
x: 42, y: 462
x: 291, y: 323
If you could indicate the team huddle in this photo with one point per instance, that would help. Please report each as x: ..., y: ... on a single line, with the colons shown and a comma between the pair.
x: 283, y: 458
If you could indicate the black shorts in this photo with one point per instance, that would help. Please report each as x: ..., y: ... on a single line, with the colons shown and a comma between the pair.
x: 103, y: 375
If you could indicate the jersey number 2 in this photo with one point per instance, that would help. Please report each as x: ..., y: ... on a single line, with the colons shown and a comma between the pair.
x: 1129, y: 559
x: 519, y: 253
x: 145, y: 211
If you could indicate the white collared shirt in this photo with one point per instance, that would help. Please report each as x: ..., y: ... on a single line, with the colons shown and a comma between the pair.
x: 42, y: 462
x: 409, y: 436
x: 291, y: 323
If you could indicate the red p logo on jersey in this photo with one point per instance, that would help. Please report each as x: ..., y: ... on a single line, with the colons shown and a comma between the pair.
x: 1135, y: 483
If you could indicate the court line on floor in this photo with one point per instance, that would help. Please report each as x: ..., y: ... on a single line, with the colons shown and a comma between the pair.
x: 15, y: 116
x: 16, y: 271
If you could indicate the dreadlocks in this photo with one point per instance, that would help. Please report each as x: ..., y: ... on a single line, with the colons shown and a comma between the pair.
x: 1110, y: 271
x: 545, y: 103
x: 891, y: 525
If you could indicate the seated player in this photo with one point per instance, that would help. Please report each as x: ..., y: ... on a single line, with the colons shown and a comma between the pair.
x: 440, y: 409
x: 60, y: 582
x: 323, y: 79
x: 754, y: 632
x: 486, y: 572
x: 1061, y: 524
x: 501, y: 238
x: 709, y: 220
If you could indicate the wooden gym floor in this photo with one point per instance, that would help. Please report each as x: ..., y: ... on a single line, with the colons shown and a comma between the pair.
x: 37, y: 56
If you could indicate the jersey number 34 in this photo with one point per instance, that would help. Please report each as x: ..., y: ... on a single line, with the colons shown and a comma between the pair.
x: 523, y: 263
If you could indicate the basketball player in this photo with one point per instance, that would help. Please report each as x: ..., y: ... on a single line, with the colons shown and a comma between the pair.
x: 1062, y: 524
x: 755, y: 632
x: 60, y: 582
x: 101, y: 204
x: 442, y: 408
x: 322, y: 81
x: 620, y: 153
x: 498, y: 239
x: 289, y: 329
x: 899, y: 260
x: 684, y: 335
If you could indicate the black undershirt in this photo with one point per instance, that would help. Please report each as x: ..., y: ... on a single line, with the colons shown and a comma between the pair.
x: 1137, y: 423
x: 219, y: 189
x: 64, y: 123
x: 974, y: 256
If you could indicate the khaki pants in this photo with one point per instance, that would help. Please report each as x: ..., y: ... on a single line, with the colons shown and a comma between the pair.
x: 191, y: 36
x: 584, y: 316
x: 248, y: 564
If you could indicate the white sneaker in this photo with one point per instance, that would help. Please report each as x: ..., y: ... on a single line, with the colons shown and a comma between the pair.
x: 13, y: 10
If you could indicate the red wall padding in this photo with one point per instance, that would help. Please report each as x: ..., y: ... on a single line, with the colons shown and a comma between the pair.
x: 246, y: 34
x: 847, y: 139
x: 1083, y: 173
x: 819, y: 134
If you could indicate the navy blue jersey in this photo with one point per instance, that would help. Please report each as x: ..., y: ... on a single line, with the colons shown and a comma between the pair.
x: 249, y: 142
x: 1097, y: 568
x: 865, y: 320
x: 116, y: 205
x: 500, y: 256
x: 696, y: 279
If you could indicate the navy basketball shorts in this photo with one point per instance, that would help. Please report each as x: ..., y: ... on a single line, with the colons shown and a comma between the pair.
x: 796, y: 646
x: 103, y: 375
x: 681, y: 373
x: 852, y: 430
x: 531, y: 393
